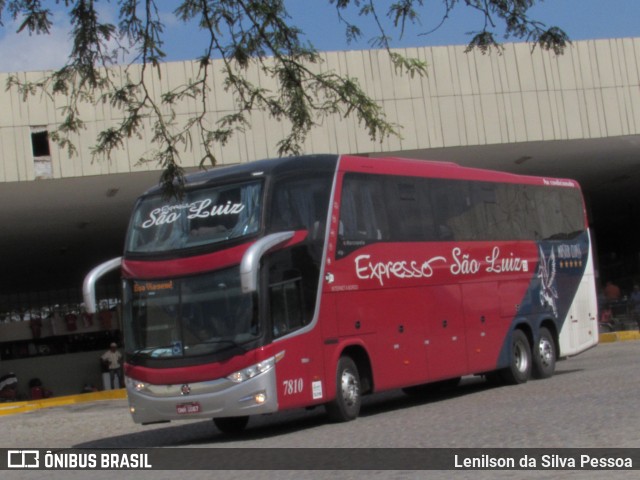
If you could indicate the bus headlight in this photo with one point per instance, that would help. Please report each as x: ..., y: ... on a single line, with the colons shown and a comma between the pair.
x: 134, y: 384
x: 252, y: 371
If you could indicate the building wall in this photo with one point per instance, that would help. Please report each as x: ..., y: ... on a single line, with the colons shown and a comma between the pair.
x: 62, y: 374
x: 592, y: 91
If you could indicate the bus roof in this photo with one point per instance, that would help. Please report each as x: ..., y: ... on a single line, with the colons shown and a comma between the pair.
x: 440, y: 169
x: 266, y: 167
x: 380, y: 165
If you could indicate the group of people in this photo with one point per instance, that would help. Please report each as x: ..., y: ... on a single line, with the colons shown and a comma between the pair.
x: 9, y: 389
x: 111, y: 361
x: 612, y: 293
x: 612, y: 297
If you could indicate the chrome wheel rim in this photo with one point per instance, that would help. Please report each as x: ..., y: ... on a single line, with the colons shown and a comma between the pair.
x: 350, y: 388
x: 545, y: 349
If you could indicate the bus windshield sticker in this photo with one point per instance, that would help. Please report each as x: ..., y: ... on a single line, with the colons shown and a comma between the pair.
x: 168, y: 214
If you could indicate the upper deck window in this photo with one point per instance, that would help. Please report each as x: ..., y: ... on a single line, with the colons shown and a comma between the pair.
x: 202, y: 217
x: 390, y: 208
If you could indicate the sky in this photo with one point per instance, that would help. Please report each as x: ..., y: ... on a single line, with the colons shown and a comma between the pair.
x: 581, y: 19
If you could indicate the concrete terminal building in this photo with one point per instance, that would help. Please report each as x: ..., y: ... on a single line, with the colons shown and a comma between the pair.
x: 523, y: 111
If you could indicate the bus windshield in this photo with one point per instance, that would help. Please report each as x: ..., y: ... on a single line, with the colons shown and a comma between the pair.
x: 188, y: 317
x: 201, y: 217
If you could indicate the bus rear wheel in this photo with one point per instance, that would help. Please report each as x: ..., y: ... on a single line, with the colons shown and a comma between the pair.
x: 519, y: 369
x: 346, y: 405
x: 231, y: 425
x: 544, y: 355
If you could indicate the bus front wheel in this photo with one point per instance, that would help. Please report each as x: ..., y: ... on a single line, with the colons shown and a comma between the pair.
x: 519, y: 369
x: 231, y: 425
x: 346, y: 405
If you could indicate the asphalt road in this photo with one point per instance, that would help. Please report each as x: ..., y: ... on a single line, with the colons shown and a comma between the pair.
x: 592, y: 401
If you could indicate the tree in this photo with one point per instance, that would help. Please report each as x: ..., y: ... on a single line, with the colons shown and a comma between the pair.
x: 243, y: 34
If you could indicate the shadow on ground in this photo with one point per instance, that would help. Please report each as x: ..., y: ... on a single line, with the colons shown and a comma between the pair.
x: 268, y: 426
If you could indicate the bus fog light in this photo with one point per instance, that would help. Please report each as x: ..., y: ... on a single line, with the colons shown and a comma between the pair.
x: 132, y: 410
x: 257, y: 398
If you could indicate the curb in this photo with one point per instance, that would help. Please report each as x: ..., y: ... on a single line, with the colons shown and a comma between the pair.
x: 623, y: 336
x: 31, y: 405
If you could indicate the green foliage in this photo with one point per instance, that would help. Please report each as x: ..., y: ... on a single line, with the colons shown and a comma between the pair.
x: 247, y: 36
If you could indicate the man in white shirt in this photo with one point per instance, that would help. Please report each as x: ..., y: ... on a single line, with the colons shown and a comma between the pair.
x: 112, y: 359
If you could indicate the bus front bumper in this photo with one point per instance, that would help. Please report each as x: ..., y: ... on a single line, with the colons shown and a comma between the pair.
x: 149, y: 403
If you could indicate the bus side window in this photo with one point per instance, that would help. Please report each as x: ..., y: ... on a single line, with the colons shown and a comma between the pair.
x: 286, y: 306
x: 293, y: 284
x: 524, y: 224
x: 300, y: 203
x: 362, y: 211
x: 560, y: 211
x: 572, y: 211
x: 411, y: 217
x: 454, y: 210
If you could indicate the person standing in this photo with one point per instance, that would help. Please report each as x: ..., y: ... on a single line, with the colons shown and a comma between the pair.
x: 112, y: 359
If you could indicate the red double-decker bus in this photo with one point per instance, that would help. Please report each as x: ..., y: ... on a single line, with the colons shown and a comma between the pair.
x: 316, y: 280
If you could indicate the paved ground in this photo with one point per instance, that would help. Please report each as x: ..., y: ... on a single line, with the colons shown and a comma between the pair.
x: 592, y: 401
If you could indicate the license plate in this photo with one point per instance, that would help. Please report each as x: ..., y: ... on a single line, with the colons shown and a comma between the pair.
x: 187, y: 408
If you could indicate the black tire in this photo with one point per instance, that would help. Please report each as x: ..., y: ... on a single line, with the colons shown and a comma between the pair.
x: 231, y: 425
x: 346, y: 405
x: 520, y: 363
x: 544, y: 355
